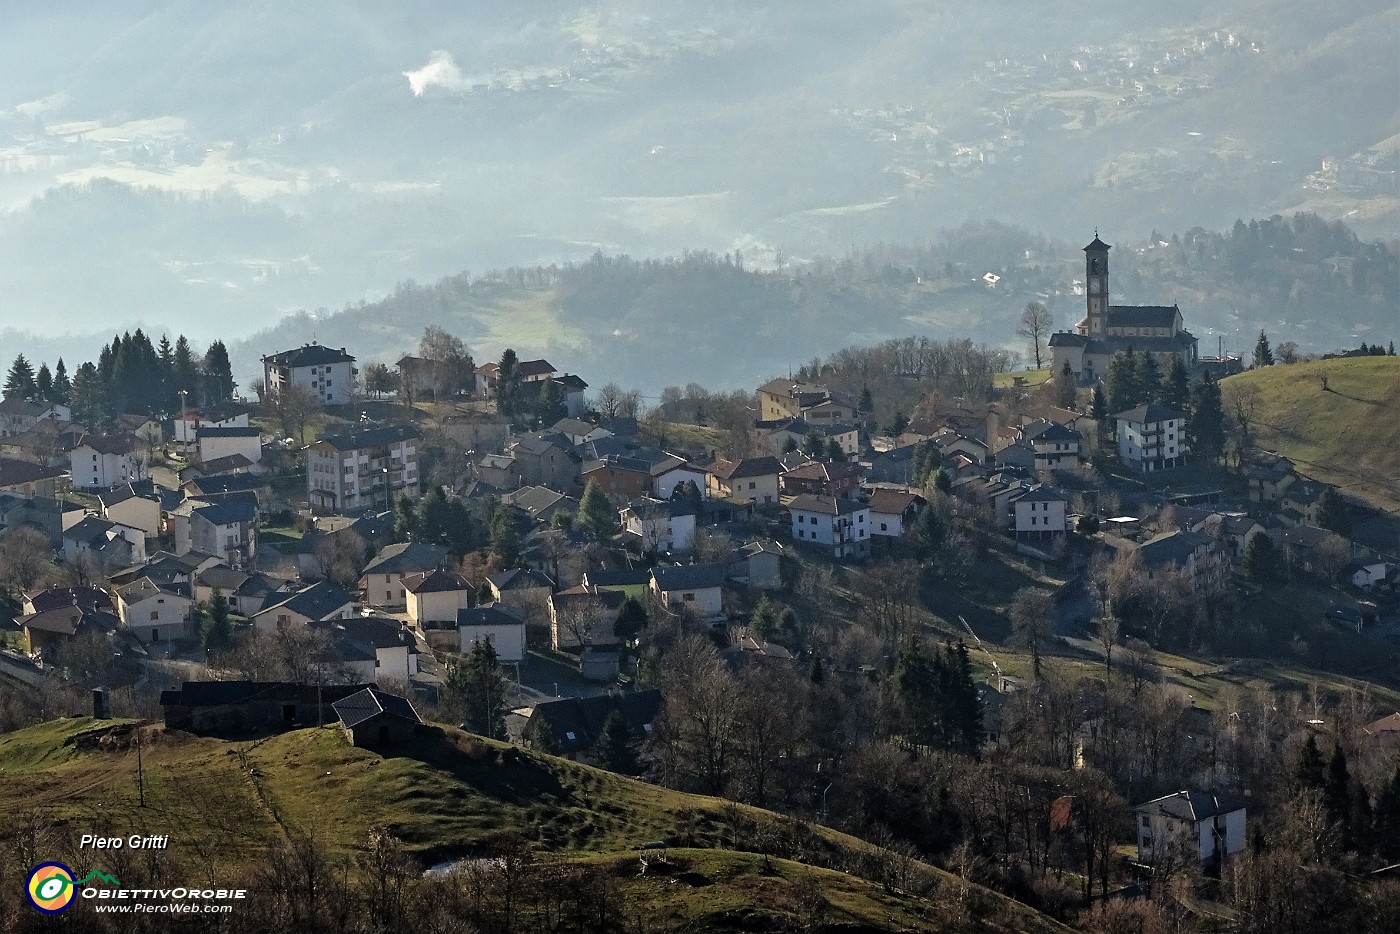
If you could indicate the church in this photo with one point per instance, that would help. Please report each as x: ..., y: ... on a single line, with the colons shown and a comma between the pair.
x: 1107, y: 329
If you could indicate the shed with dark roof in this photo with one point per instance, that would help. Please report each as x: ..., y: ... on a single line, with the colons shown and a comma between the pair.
x: 372, y: 717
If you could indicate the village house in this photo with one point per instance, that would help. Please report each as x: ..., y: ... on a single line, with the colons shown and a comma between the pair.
x: 185, y: 427
x: 758, y: 564
x: 18, y: 416
x: 28, y: 479
x: 363, y: 468
x: 373, y: 718
x: 39, y: 512
x: 545, y: 458
x: 389, y: 650
x: 630, y: 582
x: 1151, y: 437
x: 49, y: 443
x: 667, y: 477
x: 1055, y: 447
x: 103, y: 461
x: 751, y: 480
x: 1196, y: 554
x: 216, y: 443
x: 1189, y: 824
x: 524, y: 591
x: 235, y: 707
x: 571, y: 726
x: 436, y: 596
x: 789, y: 434
x: 619, y: 476
x: 835, y: 524
x: 55, y: 616
x: 659, y: 525
x: 328, y: 374
x: 317, y: 603
x: 820, y: 478
x: 787, y: 398
x: 892, y: 512
x: 1040, y: 513
x: 224, y: 526
x: 155, y: 612
x: 579, y: 431
x: 133, y: 504
x: 103, y: 543
x: 417, y: 376
x: 1269, y: 478
x: 233, y: 465
x: 501, y: 627
x: 697, y: 589
x: 382, y: 579
x: 498, y: 470
x: 1301, y: 503
x: 583, y: 617
x: 575, y: 402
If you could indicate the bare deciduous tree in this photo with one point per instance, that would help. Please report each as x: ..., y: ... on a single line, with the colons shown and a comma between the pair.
x: 1035, y: 325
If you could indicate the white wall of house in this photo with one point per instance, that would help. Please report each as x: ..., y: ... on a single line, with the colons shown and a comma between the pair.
x: 396, y: 662
x: 846, y: 534
x: 439, y: 607
x: 705, y: 602
x: 158, y: 618
x: 1039, y: 517
x: 1144, y: 445
x: 94, y: 471
x: 890, y: 525
x: 666, y: 483
x: 331, y: 383
x: 507, y: 639
x: 137, y: 512
x: 187, y: 429
x: 663, y: 532
x: 212, y: 448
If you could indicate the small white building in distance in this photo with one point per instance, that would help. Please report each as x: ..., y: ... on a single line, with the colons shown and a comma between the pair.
x: 328, y: 373
x: 104, y: 461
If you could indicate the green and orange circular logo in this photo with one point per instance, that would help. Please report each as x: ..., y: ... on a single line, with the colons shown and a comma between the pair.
x: 50, y: 887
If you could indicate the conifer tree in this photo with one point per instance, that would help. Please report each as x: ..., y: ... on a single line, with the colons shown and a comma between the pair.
x: 763, y: 621
x: 89, y: 399
x: 185, y: 372
x: 1149, y: 379
x: 474, y: 690
x: 1332, y: 512
x: 62, y: 387
x: 1311, y: 772
x: 595, y: 513
x: 1066, y: 387
x: 505, y: 539
x: 217, y: 373
x: 19, y: 382
x: 218, y: 631
x: 1263, y: 353
x: 617, y: 745
x: 1205, y: 425
x: 1123, y: 391
x: 1176, y: 386
x: 43, y: 383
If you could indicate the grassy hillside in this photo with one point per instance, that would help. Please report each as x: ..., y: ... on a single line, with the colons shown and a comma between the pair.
x: 447, y: 796
x: 1348, y: 434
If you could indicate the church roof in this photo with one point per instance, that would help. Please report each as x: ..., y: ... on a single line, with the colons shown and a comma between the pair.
x: 1097, y: 244
x: 1142, y: 316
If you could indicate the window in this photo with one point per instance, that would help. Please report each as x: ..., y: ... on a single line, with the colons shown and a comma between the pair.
x: 752, y: 484
x: 388, y: 595
x: 155, y: 614
x: 570, y: 736
x: 688, y: 598
x: 884, y: 527
x: 801, y: 534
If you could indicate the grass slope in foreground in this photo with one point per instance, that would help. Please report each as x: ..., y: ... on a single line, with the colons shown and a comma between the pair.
x: 1347, y: 434
x: 447, y: 795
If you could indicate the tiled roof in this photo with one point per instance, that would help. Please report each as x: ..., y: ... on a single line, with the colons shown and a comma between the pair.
x: 1191, y: 805
x: 406, y: 557
x: 369, y: 437
x: 689, y: 576
x: 1149, y: 413
x: 371, y: 702
x: 309, y: 355
x: 825, y: 505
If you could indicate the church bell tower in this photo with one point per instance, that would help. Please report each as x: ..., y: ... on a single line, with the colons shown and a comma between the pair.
x: 1096, y: 285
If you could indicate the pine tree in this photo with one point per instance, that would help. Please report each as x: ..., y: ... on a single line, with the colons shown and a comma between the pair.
x: 89, y: 399
x: 1149, y: 378
x: 1390, y: 351
x: 616, y: 748
x: 866, y: 404
x: 19, y: 382
x: 1205, y: 426
x: 505, y: 539
x: 789, y: 628
x: 631, y: 618
x: 942, y: 482
x: 897, y: 424
x: 1263, y: 353
x: 507, y: 383
x: 1386, y: 818
x: 595, y: 513
x: 475, y: 690
x: 1332, y: 512
x: 763, y: 621
x: 814, y: 443
x: 1066, y: 387
x: 967, y: 702
x: 62, y: 387
x: 165, y: 376
x: 218, y: 631
x: 43, y: 383
x: 217, y: 373
x: 1336, y: 793
x: 1123, y: 393
x: 834, y: 452
x: 1311, y: 772
x: 1176, y: 386
x: 928, y: 532
x: 816, y: 674
x: 184, y: 375
x: 1260, y: 557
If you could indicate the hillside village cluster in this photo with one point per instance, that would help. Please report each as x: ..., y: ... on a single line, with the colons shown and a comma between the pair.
x: 167, y: 524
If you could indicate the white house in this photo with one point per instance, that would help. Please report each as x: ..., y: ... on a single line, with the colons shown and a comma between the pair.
x: 226, y: 527
x: 583, y: 616
x: 893, y: 511
x: 374, y: 647
x: 435, y: 597
x: 215, y: 443
x: 496, y: 625
x: 187, y: 425
x: 1376, y: 572
x: 136, y: 505
x: 320, y: 602
x: 382, y: 580
x: 363, y: 468
x: 20, y: 415
x: 104, y: 461
x: 696, y: 588
x: 672, y: 475
x: 328, y: 374
x: 155, y: 612
x: 1040, y: 512
x: 1209, y: 826
x: 830, y: 522
x: 1151, y: 437
x: 1056, y: 446
x: 664, y: 525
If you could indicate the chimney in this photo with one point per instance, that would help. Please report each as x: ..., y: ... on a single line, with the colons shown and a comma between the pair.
x: 101, y: 710
x: 993, y: 426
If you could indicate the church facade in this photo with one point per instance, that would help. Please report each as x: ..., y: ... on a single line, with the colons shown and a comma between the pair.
x: 1107, y: 329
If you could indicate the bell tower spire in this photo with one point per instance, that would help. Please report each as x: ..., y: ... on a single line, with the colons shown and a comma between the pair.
x: 1096, y: 285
